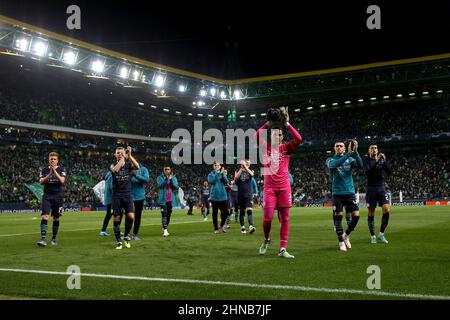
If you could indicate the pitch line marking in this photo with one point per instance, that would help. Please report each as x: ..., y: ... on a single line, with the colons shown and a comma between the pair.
x: 239, y: 284
x: 142, y: 225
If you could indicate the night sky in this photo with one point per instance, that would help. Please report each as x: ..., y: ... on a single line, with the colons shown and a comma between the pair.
x: 232, y: 40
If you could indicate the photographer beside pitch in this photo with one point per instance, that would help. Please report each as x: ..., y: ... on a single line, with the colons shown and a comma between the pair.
x: 121, y: 193
x: 374, y: 166
x: 52, y: 177
x: 343, y: 190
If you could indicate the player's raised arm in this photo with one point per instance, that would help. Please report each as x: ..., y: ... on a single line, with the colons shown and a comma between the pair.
x: 358, y: 163
x: 246, y: 166
x: 265, y: 126
x: 62, y: 177
x: 161, y: 181
x: 118, y: 165
x: 132, y: 159
x: 334, y: 163
x: 174, y: 182
x: 43, y: 179
x: 297, y: 138
x: 143, y: 175
x: 212, y: 177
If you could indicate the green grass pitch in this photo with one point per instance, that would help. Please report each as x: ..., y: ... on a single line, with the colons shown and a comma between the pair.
x: 416, y: 261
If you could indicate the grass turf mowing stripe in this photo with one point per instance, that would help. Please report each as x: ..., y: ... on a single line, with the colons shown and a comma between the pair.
x: 238, y: 284
x: 73, y: 230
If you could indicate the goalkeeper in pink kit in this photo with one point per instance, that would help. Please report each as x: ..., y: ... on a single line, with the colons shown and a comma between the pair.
x: 277, y: 187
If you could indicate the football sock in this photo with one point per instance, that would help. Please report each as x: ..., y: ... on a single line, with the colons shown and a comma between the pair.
x: 128, y: 225
x: 116, y: 228
x: 371, y: 223
x: 55, y: 229
x: 338, y: 225
x: 284, y: 226
x: 242, y: 217
x: 44, y: 224
x: 250, y: 217
x: 384, y: 221
x: 352, y: 225
x: 267, y: 222
x: 348, y: 218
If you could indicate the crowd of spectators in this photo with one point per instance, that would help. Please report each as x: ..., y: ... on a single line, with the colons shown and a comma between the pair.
x: 93, y: 109
x: 420, y: 173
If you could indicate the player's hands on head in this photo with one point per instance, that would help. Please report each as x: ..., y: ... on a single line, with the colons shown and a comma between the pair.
x: 129, y: 150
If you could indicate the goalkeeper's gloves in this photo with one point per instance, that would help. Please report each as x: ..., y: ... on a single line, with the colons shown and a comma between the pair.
x: 285, y: 113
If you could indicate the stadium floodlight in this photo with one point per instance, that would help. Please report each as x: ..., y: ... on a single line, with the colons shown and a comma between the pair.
x: 136, y: 75
x: 212, y: 91
x: 124, y: 72
x: 252, y: 115
x: 221, y: 116
x: 309, y: 108
x: 200, y: 103
x: 210, y: 116
x: 297, y: 110
x: 194, y: 103
x: 22, y: 44
x: 159, y: 80
x: 70, y: 56
x: 39, y: 47
x: 202, y: 93
x: 140, y: 103
x: 182, y: 88
x: 399, y: 95
x: 425, y: 93
x: 263, y: 114
x: 177, y: 112
x: 334, y: 104
x: 153, y: 107
x: 237, y: 94
x: 412, y: 94
x: 360, y: 100
x: 439, y: 91
x: 98, y: 65
x: 189, y: 114
x: 348, y: 102
x: 242, y: 116
x: 323, y: 105
x: 166, y: 110
x: 200, y: 114
x: 163, y: 91
x: 373, y: 98
x: 385, y: 97
x: 223, y: 95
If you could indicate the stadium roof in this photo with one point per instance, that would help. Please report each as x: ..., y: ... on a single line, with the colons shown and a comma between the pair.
x: 240, y: 40
x: 306, y: 89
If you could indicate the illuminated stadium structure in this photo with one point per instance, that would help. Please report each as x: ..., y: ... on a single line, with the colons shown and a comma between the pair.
x: 363, y: 84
